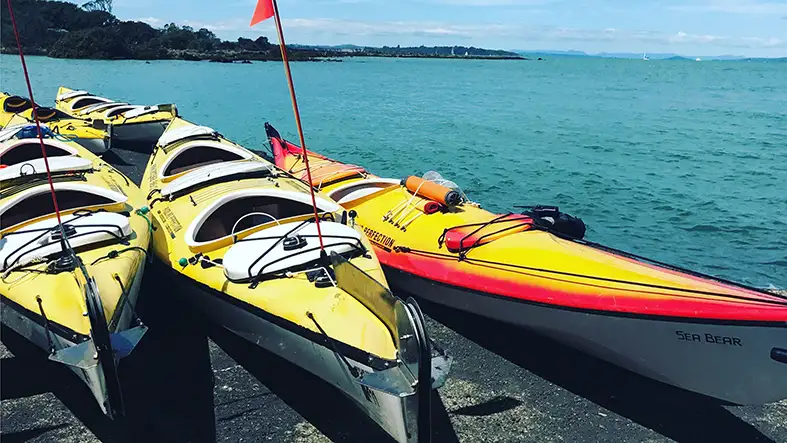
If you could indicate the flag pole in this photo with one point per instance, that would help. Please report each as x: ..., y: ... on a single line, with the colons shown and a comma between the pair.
x: 63, y: 239
x: 286, y: 61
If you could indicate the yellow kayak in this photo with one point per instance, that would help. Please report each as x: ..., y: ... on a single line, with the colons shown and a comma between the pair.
x: 242, y: 239
x: 129, y: 123
x: 16, y: 111
x: 73, y: 298
x: 534, y: 269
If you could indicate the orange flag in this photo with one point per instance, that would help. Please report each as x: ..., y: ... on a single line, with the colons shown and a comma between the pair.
x: 262, y: 12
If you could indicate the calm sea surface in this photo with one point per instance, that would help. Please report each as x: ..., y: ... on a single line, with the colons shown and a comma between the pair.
x: 680, y: 161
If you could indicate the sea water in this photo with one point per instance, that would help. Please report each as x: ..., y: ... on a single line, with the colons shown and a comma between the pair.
x: 679, y: 161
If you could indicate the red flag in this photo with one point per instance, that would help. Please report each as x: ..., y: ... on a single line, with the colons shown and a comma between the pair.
x: 262, y: 12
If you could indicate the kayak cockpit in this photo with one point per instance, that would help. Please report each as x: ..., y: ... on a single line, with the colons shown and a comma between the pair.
x: 198, y: 153
x: 87, y: 100
x: 100, y: 107
x: 351, y: 192
x: 49, y: 114
x: 25, y: 150
x: 241, y: 211
x: 36, y: 202
x: 15, y: 104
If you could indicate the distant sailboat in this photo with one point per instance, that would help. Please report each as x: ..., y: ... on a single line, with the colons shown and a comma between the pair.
x: 645, y: 56
x: 697, y: 59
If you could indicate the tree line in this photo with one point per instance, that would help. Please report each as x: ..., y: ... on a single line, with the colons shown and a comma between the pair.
x: 66, y: 30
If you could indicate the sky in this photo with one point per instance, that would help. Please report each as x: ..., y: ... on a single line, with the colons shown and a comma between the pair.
x: 756, y: 28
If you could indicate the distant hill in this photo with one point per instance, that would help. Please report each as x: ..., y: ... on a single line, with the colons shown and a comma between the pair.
x: 637, y: 55
x: 415, y: 51
x: 767, y: 60
x: 542, y: 52
x: 66, y: 30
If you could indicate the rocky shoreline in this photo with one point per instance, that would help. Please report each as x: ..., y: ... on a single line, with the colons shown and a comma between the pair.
x: 247, y: 57
x: 64, y: 30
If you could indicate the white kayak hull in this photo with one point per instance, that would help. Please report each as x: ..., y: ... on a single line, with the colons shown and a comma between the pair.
x: 730, y: 361
x: 387, y: 410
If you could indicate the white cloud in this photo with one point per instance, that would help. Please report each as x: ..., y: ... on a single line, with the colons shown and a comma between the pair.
x: 736, y: 7
x: 323, y: 30
x: 152, y: 21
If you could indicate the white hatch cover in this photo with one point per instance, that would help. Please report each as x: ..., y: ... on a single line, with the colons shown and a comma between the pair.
x: 87, y: 229
x: 37, y: 166
x: 239, y: 261
x: 117, y: 110
x: 140, y: 110
x: 71, y: 94
x: 100, y: 107
x: 182, y: 133
x: 204, y: 174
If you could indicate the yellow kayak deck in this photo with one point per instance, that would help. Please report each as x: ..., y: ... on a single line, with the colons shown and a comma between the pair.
x: 113, y: 113
x: 290, y: 298
x: 62, y: 297
x: 15, y: 110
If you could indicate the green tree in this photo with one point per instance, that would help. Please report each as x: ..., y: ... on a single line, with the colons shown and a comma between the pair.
x: 98, y: 5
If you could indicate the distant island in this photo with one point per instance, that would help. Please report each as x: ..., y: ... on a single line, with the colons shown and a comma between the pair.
x: 414, y: 51
x: 90, y: 31
x: 639, y: 55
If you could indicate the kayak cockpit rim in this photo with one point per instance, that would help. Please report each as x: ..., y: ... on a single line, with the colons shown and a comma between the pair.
x: 199, y: 178
x: 17, y: 151
x: 102, y: 106
x: 22, y: 172
x: 240, y: 213
x: 199, y: 153
x: 83, y: 101
x: 34, y: 204
x: 172, y: 136
x: 14, y: 104
x: 350, y: 193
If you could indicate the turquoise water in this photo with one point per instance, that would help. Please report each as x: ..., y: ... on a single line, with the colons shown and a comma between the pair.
x: 683, y: 162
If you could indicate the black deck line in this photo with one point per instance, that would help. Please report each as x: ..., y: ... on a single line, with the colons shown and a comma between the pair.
x: 60, y: 330
x: 359, y: 355
x: 390, y: 273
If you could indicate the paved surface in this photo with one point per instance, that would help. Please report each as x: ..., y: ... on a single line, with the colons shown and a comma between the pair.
x: 189, y: 382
